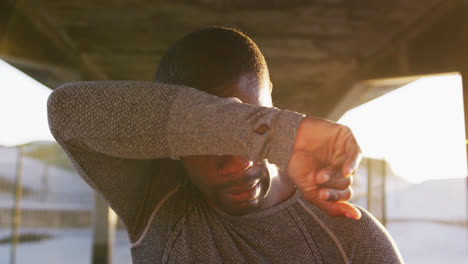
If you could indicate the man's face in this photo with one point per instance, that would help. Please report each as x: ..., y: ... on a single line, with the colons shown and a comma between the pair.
x: 229, y: 183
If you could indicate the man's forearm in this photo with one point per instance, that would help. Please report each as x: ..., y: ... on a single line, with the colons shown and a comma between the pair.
x: 152, y: 120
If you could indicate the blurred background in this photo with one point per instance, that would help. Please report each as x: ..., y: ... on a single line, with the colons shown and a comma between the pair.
x: 391, y: 71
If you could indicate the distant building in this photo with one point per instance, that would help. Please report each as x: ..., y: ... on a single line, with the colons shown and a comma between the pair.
x: 52, y: 195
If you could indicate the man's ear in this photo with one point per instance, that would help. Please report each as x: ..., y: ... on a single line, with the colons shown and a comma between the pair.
x: 271, y: 87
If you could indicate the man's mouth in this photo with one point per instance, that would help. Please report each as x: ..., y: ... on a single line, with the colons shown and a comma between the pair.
x: 243, y: 187
x: 244, y: 193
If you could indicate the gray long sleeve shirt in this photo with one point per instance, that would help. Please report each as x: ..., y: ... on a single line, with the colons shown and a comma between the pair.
x: 124, y: 138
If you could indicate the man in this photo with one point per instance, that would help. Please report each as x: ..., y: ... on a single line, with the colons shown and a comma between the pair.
x: 221, y: 178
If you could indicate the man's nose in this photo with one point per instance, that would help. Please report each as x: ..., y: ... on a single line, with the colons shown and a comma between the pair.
x: 232, y: 165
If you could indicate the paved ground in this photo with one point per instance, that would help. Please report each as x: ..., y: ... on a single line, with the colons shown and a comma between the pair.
x: 418, y: 242
x: 430, y: 242
x: 71, y: 246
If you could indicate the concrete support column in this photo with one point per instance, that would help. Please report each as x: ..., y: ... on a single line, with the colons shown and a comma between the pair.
x: 376, y: 189
x: 104, y: 224
x: 464, y: 75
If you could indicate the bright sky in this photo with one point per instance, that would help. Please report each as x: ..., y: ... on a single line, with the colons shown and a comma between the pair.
x: 418, y: 129
x: 23, y: 111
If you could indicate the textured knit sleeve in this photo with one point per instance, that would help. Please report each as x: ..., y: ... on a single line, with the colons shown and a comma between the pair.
x: 146, y: 120
x: 120, y: 135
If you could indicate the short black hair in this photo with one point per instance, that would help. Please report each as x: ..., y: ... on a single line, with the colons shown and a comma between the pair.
x: 209, y: 58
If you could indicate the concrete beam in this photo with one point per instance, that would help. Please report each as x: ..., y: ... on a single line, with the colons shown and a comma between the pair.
x: 23, y: 46
x: 394, y: 59
x: 50, y: 75
x: 6, y: 10
x: 39, y: 17
x: 31, y: 39
x: 365, y: 91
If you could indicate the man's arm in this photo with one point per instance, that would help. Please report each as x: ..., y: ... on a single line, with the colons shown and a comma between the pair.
x: 123, y: 122
x: 145, y: 120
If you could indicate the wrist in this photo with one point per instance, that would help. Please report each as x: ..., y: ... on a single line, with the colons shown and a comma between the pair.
x: 284, y: 128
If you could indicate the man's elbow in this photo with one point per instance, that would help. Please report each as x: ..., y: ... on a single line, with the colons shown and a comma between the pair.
x: 56, y: 112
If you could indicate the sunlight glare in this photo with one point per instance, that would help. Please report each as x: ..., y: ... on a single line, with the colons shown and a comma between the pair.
x: 418, y: 129
x: 23, y: 111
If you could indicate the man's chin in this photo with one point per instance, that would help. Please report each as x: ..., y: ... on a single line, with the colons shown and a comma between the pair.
x: 230, y: 205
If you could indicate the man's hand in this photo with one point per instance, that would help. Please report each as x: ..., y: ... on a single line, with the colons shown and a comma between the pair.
x: 325, y: 157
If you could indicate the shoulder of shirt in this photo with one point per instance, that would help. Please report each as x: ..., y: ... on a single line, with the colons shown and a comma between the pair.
x: 361, y: 239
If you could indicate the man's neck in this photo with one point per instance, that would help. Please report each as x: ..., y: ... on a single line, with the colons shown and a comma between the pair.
x: 281, y: 189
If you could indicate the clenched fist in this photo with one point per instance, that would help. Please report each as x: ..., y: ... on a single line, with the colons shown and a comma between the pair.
x: 324, y: 159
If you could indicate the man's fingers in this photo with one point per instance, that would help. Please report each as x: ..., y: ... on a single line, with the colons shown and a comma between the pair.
x: 332, y: 195
x: 329, y: 173
x: 352, y: 162
x: 338, y: 183
x: 340, y: 209
x: 324, y: 175
x: 351, y: 150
